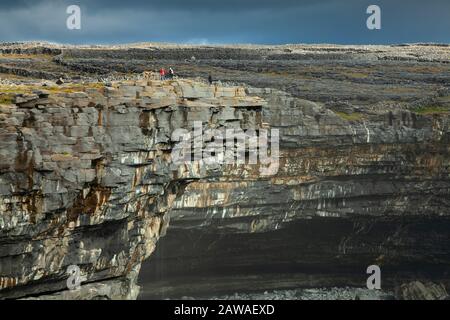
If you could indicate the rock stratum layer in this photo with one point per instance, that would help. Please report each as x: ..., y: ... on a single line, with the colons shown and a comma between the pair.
x: 364, y: 175
x: 86, y: 179
x: 348, y: 194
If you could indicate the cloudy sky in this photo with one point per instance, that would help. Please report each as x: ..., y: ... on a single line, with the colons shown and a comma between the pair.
x: 226, y: 21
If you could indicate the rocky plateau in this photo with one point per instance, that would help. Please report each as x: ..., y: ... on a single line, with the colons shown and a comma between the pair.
x: 86, y: 180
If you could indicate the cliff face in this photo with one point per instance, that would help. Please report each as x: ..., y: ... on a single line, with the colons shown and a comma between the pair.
x: 85, y: 175
x: 353, y: 189
x: 86, y: 179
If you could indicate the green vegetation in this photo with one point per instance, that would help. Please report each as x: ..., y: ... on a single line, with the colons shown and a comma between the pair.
x: 6, y: 99
x: 7, y: 93
x: 73, y: 87
x: 25, y: 56
x: 356, y: 75
x: 354, y: 116
x: 431, y: 110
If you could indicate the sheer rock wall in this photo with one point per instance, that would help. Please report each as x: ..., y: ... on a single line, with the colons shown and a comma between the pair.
x: 85, y: 179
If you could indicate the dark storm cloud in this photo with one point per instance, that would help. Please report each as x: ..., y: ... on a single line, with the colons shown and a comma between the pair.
x: 188, y: 5
x: 230, y: 21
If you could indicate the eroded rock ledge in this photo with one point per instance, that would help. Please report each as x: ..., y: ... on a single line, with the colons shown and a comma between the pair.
x: 352, y: 190
x: 85, y: 178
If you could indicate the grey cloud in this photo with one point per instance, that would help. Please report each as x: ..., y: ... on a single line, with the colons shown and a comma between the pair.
x: 179, y: 5
x: 210, y: 21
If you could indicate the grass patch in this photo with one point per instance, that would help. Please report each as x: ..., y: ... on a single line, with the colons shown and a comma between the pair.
x: 11, y: 91
x: 356, y: 75
x: 354, y: 116
x: 14, y: 90
x: 6, y: 98
x: 25, y: 56
x: 431, y: 110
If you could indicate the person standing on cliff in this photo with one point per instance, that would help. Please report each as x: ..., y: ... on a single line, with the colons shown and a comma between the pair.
x: 210, y: 79
x: 162, y: 73
x: 171, y: 73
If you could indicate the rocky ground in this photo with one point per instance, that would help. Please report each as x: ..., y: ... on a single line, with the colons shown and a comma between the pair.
x: 364, y: 172
x: 313, y: 294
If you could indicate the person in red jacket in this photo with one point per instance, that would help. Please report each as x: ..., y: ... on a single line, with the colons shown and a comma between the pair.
x: 162, y: 73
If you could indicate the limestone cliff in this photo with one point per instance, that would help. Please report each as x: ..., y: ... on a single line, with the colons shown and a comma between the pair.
x: 85, y: 178
x: 364, y: 174
x: 353, y: 189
